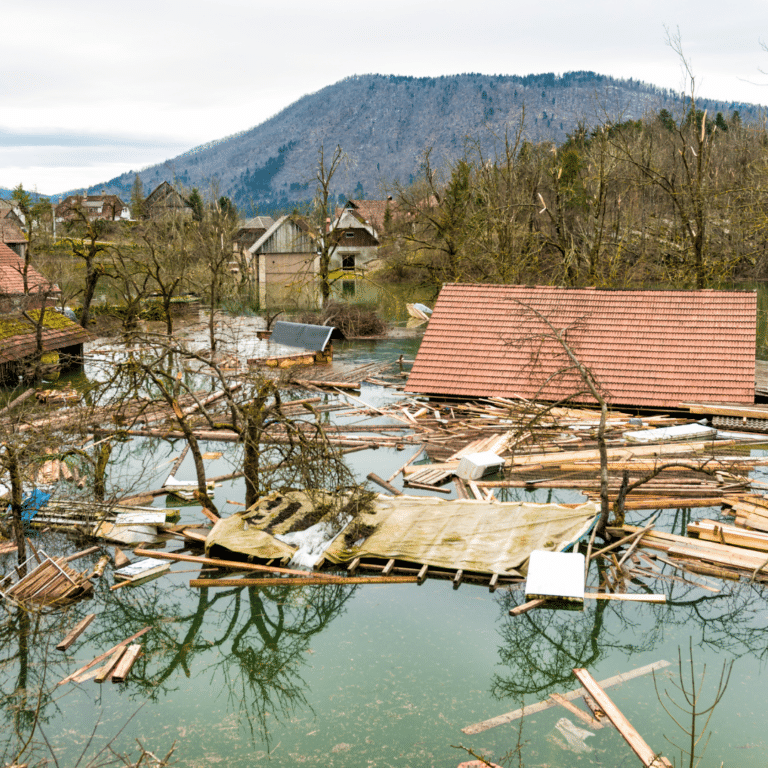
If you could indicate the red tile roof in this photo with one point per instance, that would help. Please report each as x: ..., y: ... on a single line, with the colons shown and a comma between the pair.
x: 10, y: 232
x: 645, y: 348
x: 12, y: 275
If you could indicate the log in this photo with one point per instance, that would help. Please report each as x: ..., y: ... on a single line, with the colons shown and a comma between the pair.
x: 234, y: 565
x: 76, y: 631
x: 17, y: 401
x: 623, y: 726
x: 298, y: 582
x: 126, y: 662
x: 374, y: 478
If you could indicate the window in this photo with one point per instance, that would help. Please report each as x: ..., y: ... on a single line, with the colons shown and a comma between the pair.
x: 348, y: 262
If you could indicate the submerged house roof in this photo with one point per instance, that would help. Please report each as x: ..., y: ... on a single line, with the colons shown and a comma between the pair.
x: 19, y: 338
x: 314, y: 338
x: 651, y: 349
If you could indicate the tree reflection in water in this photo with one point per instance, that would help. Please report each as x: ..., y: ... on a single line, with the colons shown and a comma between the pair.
x: 540, y: 648
x: 262, y: 635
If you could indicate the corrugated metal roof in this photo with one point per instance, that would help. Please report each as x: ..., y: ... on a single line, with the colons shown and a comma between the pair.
x: 302, y: 336
x: 645, y: 348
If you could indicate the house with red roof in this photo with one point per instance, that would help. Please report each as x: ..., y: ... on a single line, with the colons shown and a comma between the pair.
x: 645, y: 348
x: 14, y: 294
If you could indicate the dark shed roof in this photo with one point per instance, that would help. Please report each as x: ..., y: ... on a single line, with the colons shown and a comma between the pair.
x: 303, y: 336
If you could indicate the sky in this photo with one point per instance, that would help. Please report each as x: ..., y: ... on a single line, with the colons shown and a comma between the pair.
x: 91, y: 90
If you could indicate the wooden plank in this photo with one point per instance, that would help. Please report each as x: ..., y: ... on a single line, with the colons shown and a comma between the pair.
x: 525, y: 607
x: 574, y: 710
x: 77, y: 630
x: 234, y: 565
x: 105, y: 672
x: 623, y: 726
x: 634, y: 598
x: 516, y: 714
x: 293, y: 582
x: 104, y: 655
x: 374, y: 478
x: 127, y: 660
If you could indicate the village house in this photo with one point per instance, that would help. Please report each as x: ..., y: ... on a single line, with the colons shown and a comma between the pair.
x: 12, y: 236
x: 104, y: 207
x: 652, y: 349
x: 13, y: 296
x: 165, y: 200
x: 283, y: 263
x: 355, y: 239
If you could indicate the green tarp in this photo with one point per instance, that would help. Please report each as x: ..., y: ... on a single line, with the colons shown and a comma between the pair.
x: 476, y: 536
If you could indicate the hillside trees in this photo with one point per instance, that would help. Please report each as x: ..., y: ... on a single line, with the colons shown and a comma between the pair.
x: 679, y: 200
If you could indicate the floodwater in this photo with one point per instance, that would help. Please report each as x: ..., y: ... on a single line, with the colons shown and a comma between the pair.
x: 379, y: 676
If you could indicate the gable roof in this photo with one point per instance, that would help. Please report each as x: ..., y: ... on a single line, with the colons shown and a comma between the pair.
x: 297, y: 241
x: 652, y: 349
x: 372, y: 211
x: 12, y: 275
x: 10, y: 232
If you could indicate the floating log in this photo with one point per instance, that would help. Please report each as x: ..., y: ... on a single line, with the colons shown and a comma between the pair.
x: 76, y: 631
x: 529, y: 606
x: 374, y: 478
x: 623, y: 726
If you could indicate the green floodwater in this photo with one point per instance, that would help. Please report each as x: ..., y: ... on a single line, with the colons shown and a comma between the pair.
x: 374, y: 675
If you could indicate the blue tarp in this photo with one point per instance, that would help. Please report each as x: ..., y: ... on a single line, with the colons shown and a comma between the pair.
x: 33, y: 504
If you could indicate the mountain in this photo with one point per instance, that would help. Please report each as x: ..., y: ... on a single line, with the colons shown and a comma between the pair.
x: 385, y: 123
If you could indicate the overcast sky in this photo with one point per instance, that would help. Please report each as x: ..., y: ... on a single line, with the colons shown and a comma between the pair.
x: 92, y: 89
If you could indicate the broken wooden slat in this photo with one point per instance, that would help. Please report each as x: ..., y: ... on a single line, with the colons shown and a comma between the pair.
x: 352, y: 567
x: 103, y: 656
x: 623, y: 726
x: 106, y: 671
x: 458, y: 578
x: 127, y: 660
x: 76, y: 631
x: 574, y: 710
x: 422, y: 574
x: 508, y: 717
x: 388, y: 567
x: 525, y: 607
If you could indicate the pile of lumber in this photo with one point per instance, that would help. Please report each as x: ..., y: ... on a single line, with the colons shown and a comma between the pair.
x: 51, y: 583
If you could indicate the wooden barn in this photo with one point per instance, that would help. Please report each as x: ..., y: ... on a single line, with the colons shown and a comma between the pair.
x: 646, y: 348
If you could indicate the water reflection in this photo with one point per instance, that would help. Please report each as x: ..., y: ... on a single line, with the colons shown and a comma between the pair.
x: 253, y: 642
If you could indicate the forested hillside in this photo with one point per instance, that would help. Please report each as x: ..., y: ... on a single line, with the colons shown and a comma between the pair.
x: 385, y: 124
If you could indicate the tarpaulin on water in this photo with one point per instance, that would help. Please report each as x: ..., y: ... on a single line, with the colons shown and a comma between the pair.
x: 477, y: 536
x: 238, y: 534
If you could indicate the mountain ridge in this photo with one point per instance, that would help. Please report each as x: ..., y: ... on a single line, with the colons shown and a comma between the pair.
x: 386, y: 122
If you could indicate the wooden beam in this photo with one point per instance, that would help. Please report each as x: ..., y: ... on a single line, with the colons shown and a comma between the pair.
x: 293, y: 582
x: 77, y: 630
x: 234, y: 565
x: 531, y: 709
x: 126, y: 662
x: 647, y: 756
x: 575, y: 711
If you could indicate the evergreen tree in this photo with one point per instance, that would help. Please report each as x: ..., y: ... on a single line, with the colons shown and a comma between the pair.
x: 137, y: 199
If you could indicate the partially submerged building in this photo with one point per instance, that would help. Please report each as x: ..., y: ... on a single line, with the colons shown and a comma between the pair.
x: 283, y: 263
x: 646, y: 349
